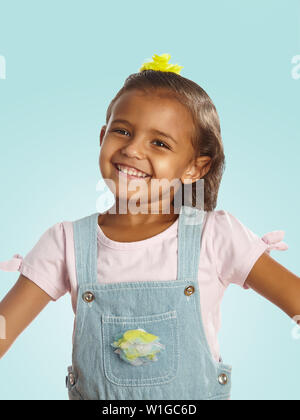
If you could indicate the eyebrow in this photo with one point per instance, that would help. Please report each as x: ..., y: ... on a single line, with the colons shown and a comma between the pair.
x: 161, y: 133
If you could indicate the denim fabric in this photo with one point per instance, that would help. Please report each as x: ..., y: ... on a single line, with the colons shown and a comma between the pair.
x: 185, y: 369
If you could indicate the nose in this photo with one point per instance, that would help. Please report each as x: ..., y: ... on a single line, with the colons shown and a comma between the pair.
x: 134, y: 148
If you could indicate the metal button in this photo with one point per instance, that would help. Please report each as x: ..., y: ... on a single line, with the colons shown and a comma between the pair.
x: 223, y: 379
x: 71, y: 378
x: 88, y: 297
x: 189, y: 290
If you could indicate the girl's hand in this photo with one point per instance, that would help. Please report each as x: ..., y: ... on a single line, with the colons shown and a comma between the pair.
x: 20, y: 306
x: 276, y: 283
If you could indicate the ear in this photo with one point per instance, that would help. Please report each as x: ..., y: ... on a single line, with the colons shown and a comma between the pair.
x: 197, y: 170
x: 102, y: 134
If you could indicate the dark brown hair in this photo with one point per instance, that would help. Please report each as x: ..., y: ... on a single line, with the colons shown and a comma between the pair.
x: 206, y: 138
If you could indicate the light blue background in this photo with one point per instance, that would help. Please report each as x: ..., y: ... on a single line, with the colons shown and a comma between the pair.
x: 65, y: 61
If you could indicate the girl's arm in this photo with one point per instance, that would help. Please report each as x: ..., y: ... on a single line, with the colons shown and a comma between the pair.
x: 277, y: 284
x: 20, y: 306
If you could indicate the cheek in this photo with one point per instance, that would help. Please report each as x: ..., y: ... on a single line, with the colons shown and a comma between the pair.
x: 106, y: 151
x: 163, y: 166
x: 168, y: 168
x: 104, y: 159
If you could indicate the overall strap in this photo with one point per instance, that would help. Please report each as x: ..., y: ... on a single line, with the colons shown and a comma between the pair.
x: 85, y: 246
x: 189, y: 243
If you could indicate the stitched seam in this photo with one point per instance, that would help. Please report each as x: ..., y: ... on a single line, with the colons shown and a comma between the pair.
x: 90, y: 285
x: 216, y: 397
x: 74, y: 389
x: 134, y: 322
x: 146, y: 318
x: 214, y: 255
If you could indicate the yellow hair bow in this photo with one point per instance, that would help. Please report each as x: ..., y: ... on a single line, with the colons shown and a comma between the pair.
x: 160, y: 63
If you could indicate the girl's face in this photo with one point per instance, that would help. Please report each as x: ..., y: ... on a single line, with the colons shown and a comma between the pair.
x: 152, y: 133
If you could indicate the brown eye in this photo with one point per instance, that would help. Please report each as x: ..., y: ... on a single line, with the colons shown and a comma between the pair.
x: 124, y: 131
x: 164, y: 144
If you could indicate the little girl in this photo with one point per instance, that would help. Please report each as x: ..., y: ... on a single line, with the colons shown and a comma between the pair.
x: 147, y: 284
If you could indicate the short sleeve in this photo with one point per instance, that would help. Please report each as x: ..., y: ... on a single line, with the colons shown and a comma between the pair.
x: 236, y: 248
x: 45, y: 264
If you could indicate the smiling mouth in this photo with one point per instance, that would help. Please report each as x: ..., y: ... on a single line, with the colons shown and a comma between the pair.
x: 129, y: 175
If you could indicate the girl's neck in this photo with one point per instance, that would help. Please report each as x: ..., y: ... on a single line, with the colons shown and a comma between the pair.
x: 117, y: 228
x: 128, y: 220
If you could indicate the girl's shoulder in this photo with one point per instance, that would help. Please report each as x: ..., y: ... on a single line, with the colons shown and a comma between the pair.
x: 221, y: 221
x: 229, y: 231
x: 45, y: 263
x: 234, y: 246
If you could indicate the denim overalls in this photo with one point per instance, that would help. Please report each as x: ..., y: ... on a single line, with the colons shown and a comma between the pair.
x: 166, y: 314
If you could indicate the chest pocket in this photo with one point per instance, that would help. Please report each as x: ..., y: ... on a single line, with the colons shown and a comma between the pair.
x: 141, y: 350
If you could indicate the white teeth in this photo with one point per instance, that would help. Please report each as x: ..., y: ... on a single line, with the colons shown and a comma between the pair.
x: 131, y: 171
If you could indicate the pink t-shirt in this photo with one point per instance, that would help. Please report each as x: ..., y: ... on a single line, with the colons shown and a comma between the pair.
x: 228, y: 253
